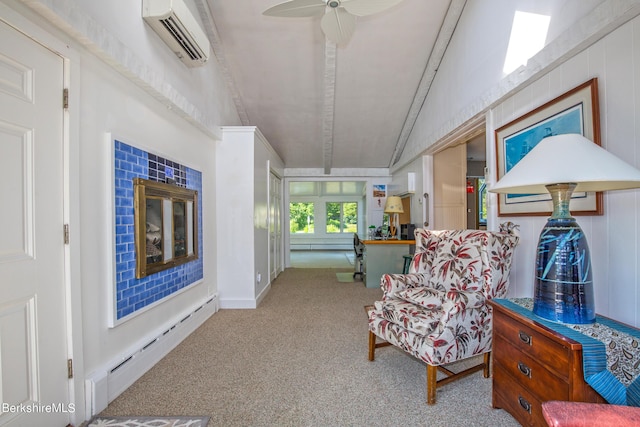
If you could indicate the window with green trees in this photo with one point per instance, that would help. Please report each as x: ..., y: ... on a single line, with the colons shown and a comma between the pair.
x: 482, y: 202
x: 342, y: 217
x: 301, y: 218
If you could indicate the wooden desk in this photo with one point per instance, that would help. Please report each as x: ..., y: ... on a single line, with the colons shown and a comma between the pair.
x: 383, y: 256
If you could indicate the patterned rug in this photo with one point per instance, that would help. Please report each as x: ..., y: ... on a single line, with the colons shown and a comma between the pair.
x: 344, y: 277
x: 148, y: 422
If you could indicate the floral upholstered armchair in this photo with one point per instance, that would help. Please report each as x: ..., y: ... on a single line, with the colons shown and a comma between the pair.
x: 438, y: 311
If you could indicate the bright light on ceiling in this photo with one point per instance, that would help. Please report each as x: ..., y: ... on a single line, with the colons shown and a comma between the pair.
x: 528, y: 36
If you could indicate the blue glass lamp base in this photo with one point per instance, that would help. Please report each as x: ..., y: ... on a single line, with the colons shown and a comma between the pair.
x: 563, y: 289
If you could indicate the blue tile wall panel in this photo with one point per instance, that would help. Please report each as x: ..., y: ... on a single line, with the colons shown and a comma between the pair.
x: 133, y: 294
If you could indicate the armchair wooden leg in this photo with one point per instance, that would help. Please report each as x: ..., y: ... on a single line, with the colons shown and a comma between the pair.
x: 487, y: 366
x: 432, y: 372
x: 433, y: 382
x: 372, y: 346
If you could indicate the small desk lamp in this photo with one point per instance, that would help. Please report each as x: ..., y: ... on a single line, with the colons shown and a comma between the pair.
x: 393, y: 206
x: 561, y: 164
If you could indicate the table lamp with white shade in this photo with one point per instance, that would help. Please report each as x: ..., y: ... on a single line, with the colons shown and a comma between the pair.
x: 393, y: 206
x: 561, y: 164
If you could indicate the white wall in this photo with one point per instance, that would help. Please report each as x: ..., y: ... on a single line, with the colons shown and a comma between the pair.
x: 122, y: 80
x: 470, y: 78
x: 116, y: 32
x: 235, y: 236
x: 265, y: 161
x: 470, y: 84
x: 244, y: 159
x: 110, y: 103
x: 128, y: 95
x: 614, y: 238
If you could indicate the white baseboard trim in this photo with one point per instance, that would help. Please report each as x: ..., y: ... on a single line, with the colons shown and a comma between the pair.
x: 104, y: 385
x: 237, y: 303
x: 244, y: 303
x: 263, y: 294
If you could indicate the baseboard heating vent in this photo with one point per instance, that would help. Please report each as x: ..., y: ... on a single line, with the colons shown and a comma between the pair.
x: 121, y: 364
x: 102, y: 387
x: 150, y: 344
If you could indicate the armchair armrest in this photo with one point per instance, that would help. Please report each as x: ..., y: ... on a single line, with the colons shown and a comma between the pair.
x: 393, y: 283
x: 463, y: 300
x: 449, y: 302
x: 457, y: 302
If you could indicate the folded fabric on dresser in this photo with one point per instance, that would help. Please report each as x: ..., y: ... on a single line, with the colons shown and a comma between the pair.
x: 610, y: 353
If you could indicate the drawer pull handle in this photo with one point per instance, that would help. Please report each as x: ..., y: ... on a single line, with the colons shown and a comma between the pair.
x: 525, y: 405
x: 524, y: 369
x: 525, y: 338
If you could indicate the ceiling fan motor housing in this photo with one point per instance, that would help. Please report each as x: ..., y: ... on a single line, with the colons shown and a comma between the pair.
x: 333, y: 3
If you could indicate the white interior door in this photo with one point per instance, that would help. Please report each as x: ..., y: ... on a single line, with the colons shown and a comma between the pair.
x: 449, y: 188
x: 33, y: 340
x: 275, y: 226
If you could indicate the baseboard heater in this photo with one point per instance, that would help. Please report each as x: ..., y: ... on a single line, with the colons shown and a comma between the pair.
x: 104, y: 386
x: 321, y: 246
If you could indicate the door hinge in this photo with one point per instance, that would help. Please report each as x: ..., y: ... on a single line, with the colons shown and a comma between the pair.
x: 69, y: 368
x: 65, y: 98
x: 66, y: 234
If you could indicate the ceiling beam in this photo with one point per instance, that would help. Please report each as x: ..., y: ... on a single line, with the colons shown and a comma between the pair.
x: 216, y: 45
x: 328, y: 107
x: 435, y: 58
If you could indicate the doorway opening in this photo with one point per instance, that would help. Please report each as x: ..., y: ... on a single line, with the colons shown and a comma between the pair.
x: 476, y: 187
x: 322, y: 219
x: 459, y: 194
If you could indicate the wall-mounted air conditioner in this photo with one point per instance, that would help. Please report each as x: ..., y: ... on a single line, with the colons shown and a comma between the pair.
x: 178, y: 28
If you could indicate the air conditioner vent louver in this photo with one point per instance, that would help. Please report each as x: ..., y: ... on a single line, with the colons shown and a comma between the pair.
x: 178, y: 28
x: 181, y: 38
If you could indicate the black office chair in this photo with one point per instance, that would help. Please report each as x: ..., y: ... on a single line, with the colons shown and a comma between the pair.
x: 358, y: 249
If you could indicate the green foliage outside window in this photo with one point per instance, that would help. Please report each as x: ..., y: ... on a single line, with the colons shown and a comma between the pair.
x: 482, y: 202
x: 301, y: 218
x: 342, y: 217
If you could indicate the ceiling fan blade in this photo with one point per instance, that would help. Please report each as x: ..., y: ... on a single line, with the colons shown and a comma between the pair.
x: 338, y: 25
x: 367, y: 7
x: 297, y: 8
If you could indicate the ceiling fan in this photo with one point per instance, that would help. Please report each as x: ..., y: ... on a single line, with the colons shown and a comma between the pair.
x: 339, y: 16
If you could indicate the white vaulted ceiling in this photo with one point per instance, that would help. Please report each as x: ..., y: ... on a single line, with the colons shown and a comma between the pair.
x: 326, y: 106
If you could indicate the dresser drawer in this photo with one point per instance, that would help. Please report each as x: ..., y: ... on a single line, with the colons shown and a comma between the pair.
x: 530, y: 374
x: 537, y: 346
x: 517, y: 401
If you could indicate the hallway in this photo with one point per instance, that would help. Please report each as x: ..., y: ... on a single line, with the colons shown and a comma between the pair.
x: 322, y: 259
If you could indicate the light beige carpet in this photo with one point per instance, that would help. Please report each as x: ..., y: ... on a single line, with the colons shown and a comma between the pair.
x: 300, y: 359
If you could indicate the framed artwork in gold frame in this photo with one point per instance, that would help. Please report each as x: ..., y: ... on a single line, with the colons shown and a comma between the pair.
x: 575, y: 111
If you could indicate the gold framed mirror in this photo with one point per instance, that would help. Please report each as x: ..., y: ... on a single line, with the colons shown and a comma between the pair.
x: 166, y: 226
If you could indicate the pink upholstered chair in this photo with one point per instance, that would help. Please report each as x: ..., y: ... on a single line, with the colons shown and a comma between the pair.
x: 580, y: 414
x: 438, y: 312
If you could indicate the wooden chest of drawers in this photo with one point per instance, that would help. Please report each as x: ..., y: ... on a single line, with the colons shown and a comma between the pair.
x: 533, y: 364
